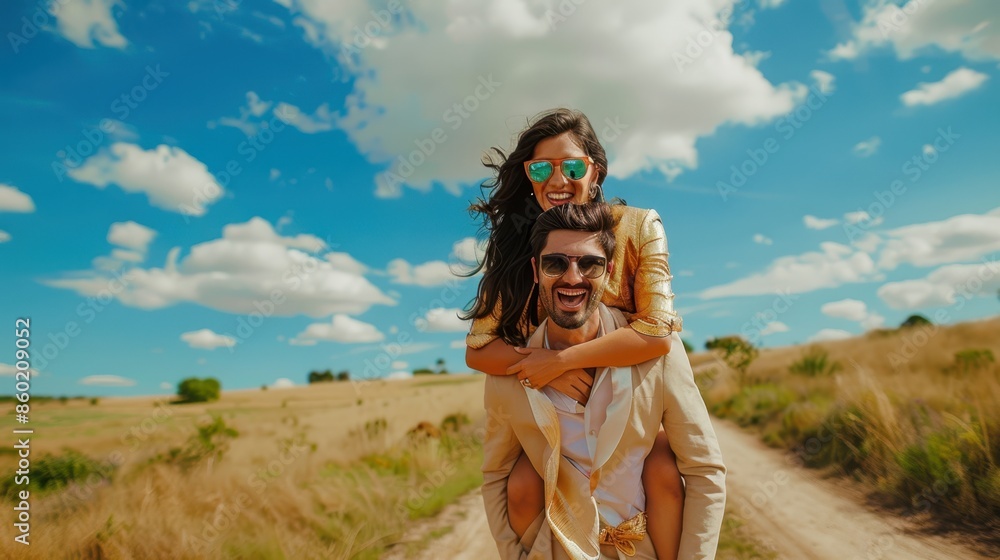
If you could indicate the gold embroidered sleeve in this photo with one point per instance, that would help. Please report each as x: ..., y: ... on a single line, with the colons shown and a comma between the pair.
x: 654, y: 298
x: 483, y: 330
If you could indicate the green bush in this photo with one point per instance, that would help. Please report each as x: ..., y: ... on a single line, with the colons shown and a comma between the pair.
x: 971, y: 361
x: 915, y: 321
x: 193, y: 389
x: 53, y: 472
x: 815, y: 362
x: 755, y: 404
x: 209, y: 442
x: 454, y: 422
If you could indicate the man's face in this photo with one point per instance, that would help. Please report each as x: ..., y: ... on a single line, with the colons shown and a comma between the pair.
x: 572, y: 297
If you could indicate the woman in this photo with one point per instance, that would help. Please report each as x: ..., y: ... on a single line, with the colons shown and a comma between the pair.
x: 573, y: 165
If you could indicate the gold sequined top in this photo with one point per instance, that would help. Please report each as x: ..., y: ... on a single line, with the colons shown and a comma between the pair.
x: 639, y: 284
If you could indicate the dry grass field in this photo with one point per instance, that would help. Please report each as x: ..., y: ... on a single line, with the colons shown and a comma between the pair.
x: 912, y: 413
x: 280, y: 475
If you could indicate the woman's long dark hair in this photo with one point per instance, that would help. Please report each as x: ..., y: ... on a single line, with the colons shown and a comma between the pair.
x: 508, y: 211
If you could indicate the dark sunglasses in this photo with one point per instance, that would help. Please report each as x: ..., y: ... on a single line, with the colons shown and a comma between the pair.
x: 556, y: 264
x: 574, y: 168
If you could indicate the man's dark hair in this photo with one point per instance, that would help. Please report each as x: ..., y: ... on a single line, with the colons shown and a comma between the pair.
x: 593, y: 217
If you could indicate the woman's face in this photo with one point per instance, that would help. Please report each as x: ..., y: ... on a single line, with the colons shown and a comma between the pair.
x: 558, y: 189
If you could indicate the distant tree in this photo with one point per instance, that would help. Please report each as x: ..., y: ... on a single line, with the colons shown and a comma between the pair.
x: 440, y: 366
x: 915, y: 321
x: 194, y: 389
x: 687, y: 346
x: 320, y: 376
x: 344, y: 376
x: 263, y: 387
x: 423, y: 371
x: 737, y: 352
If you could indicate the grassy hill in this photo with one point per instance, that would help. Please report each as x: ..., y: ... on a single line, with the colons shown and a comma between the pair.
x: 913, y: 413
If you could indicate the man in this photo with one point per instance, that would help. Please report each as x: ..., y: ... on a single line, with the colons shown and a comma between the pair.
x: 591, y: 455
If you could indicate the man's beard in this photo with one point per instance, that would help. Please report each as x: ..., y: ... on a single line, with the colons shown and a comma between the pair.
x: 566, y: 319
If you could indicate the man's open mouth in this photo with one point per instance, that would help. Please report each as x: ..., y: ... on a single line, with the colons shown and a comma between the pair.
x: 571, y: 299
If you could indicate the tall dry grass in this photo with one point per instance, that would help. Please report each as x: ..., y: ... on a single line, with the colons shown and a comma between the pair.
x: 911, y: 412
x: 302, y: 478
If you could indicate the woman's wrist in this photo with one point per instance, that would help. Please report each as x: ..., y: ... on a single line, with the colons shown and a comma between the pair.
x: 569, y: 358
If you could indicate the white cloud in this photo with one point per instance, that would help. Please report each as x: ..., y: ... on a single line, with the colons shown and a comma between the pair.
x: 959, y: 238
x: 770, y: 4
x: 833, y: 266
x: 345, y: 262
x: 4, y: 236
x: 251, y: 269
x: 396, y: 375
x: 944, y: 286
x: 853, y: 310
x: 850, y: 309
x: 829, y: 334
x: 341, y: 329
x: 812, y: 222
x: 166, y: 386
x: 469, y: 250
x: 8, y: 370
x: 955, y: 84
x: 88, y: 23
x: 824, y: 81
x: 433, y: 273
x: 107, y: 381
x: 259, y: 230
x: 963, y: 26
x: 762, y: 239
x: 282, y: 383
x: 929, y: 151
x: 457, y: 344
x: 207, y: 340
x: 399, y: 364
x: 477, y: 99
x: 13, y: 199
x: 274, y: 174
x: 441, y: 319
x: 124, y: 255
x: 130, y: 235
x: 320, y: 121
x: 860, y: 216
x: 172, y: 179
x: 867, y: 148
x: 773, y: 327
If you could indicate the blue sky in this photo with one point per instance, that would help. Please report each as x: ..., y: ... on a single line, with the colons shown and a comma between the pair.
x: 204, y: 189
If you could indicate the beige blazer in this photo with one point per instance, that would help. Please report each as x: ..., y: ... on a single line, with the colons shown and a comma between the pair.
x: 654, y: 393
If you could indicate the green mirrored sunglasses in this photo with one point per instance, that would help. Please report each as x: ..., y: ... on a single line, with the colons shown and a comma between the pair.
x: 574, y: 168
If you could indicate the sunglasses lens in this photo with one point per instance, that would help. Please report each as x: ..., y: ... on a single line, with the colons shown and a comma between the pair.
x: 539, y: 171
x: 554, y: 265
x: 591, y: 267
x: 574, y: 168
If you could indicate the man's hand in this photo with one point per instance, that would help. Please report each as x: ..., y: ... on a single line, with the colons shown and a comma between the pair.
x: 575, y: 384
x: 539, y: 365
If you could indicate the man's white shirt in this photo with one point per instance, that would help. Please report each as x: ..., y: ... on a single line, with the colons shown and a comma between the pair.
x: 619, y: 494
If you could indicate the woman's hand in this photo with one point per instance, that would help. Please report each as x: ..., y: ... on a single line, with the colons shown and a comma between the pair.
x: 575, y: 384
x: 539, y: 365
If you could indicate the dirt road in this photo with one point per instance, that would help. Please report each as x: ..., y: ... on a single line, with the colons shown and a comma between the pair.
x: 791, y: 510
